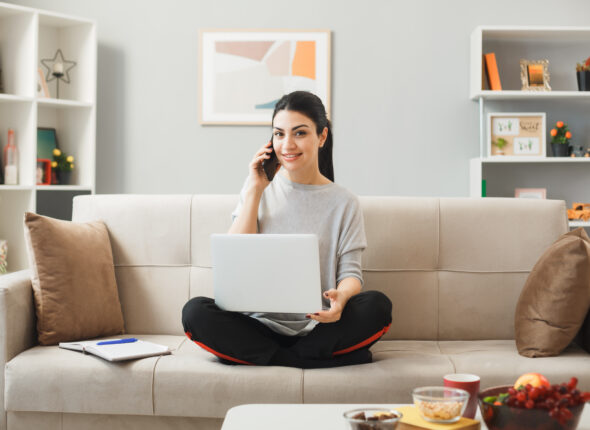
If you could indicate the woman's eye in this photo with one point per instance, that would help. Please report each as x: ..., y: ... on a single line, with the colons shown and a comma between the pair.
x: 301, y: 133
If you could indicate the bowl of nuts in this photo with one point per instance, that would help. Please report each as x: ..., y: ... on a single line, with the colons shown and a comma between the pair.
x: 372, y: 419
x: 440, y: 404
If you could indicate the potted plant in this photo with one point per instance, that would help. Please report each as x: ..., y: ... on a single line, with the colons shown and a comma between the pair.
x: 500, y: 143
x: 62, y: 165
x: 583, y: 73
x: 560, y: 139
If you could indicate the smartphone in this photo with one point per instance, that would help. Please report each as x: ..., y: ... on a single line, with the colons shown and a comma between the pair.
x: 270, y: 164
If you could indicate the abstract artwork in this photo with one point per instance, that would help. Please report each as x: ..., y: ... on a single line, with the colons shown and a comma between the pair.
x: 243, y: 73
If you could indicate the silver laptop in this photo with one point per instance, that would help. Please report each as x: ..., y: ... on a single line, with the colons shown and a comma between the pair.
x: 266, y: 272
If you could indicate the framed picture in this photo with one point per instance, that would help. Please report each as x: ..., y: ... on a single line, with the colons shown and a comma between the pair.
x: 534, y: 75
x: 530, y: 193
x: 516, y: 135
x: 243, y: 73
x: 42, y: 89
x: 46, y: 142
x: 43, y: 171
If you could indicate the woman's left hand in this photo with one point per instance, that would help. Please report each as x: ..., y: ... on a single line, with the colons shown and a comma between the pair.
x: 336, y: 307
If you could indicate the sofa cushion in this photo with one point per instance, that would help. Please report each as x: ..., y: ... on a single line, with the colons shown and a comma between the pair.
x: 497, y: 362
x: 51, y: 379
x: 73, y: 279
x: 555, y: 298
x: 398, y: 367
x: 193, y: 383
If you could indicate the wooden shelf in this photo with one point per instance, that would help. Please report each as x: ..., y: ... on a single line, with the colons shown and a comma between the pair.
x: 510, y: 159
x: 530, y: 95
x: 575, y: 224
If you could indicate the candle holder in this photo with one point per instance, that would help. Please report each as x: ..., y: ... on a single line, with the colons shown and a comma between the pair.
x: 58, y: 69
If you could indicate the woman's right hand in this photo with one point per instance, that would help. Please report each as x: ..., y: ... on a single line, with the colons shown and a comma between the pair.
x: 257, y: 176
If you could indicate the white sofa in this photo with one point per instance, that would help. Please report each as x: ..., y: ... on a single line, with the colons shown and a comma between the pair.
x: 452, y: 267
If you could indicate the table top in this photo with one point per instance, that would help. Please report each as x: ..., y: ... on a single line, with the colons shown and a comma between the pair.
x: 312, y: 416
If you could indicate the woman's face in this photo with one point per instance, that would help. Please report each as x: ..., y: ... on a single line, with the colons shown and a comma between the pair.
x: 296, y: 142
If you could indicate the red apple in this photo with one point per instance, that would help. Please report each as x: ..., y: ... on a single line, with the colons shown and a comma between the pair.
x: 535, y: 379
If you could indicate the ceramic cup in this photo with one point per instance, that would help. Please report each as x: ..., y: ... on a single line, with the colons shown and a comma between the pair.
x: 469, y: 383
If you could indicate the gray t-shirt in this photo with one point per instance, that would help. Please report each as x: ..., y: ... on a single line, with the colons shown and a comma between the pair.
x: 329, y: 211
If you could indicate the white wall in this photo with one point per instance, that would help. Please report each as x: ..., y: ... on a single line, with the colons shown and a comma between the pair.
x: 403, y: 121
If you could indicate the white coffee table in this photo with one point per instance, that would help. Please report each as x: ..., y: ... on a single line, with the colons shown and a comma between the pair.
x: 311, y: 416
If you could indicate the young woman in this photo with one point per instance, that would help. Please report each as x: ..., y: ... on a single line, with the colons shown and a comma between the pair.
x: 302, y: 198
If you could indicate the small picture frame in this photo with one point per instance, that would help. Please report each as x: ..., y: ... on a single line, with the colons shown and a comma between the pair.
x: 530, y: 193
x: 42, y: 88
x: 516, y: 135
x: 534, y: 75
x: 46, y: 142
x: 43, y: 171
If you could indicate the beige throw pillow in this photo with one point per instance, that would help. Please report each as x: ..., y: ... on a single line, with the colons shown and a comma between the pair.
x: 555, y: 298
x: 73, y: 279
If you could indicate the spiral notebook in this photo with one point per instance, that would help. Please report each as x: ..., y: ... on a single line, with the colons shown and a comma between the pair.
x: 118, y: 351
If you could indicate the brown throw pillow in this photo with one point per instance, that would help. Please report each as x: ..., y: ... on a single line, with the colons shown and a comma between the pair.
x: 73, y: 279
x: 555, y: 298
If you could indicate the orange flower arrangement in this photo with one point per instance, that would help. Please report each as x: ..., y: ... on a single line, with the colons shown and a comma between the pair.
x: 560, y: 134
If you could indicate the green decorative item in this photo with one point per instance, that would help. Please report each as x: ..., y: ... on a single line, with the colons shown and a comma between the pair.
x: 500, y: 143
x: 484, y: 191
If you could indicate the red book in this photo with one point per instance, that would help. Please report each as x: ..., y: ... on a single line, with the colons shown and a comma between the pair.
x: 492, y: 72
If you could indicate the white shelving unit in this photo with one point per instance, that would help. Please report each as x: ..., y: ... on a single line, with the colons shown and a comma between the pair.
x: 565, y: 178
x: 28, y: 35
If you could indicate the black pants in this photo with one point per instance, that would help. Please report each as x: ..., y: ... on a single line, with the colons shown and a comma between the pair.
x: 238, y: 338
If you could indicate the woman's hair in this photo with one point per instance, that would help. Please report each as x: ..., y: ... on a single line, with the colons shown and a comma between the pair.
x: 312, y: 107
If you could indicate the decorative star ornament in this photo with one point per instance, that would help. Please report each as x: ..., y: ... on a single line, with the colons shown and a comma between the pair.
x: 49, y: 64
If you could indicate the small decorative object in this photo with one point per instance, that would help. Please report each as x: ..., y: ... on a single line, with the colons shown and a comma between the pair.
x: 587, y: 154
x: 579, y: 211
x: 58, y: 69
x: 243, y: 73
x: 3, y: 256
x: 530, y: 193
x: 522, y: 134
x: 583, y: 74
x: 500, y: 143
x: 42, y: 90
x: 492, y: 72
x: 1, y: 82
x: 578, y: 151
x: 534, y: 75
x: 43, y: 171
x: 10, y: 160
x: 560, y: 139
x: 63, y: 165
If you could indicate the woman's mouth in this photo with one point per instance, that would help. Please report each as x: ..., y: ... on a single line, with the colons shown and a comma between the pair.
x: 291, y: 157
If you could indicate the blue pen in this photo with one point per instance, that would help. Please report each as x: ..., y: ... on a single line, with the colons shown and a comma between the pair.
x: 115, y: 342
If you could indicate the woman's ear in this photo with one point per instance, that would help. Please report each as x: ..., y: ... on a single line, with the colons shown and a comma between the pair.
x: 323, y: 136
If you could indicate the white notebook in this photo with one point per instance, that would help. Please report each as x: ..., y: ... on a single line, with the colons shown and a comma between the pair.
x: 118, y: 351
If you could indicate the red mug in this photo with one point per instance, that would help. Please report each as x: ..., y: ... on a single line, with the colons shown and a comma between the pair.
x: 469, y: 383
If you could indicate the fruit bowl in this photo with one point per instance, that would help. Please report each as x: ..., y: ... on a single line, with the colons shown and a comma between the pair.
x: 504, y: 417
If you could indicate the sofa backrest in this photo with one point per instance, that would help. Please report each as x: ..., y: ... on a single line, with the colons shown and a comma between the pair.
x: 453, y: 267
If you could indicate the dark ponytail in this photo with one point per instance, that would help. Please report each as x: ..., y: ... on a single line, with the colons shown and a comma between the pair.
x: 312, y: 107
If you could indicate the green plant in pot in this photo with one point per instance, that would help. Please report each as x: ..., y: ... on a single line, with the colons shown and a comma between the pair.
x: 63, y: 165
x: 500, y: 143
x: 583, y: 75
x: 560, y: 139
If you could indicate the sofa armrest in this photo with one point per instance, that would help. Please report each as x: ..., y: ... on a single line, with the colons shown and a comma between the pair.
x: 17, y: 323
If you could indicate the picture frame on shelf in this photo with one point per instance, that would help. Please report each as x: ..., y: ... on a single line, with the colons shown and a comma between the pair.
x: 530, y: 193
x: 516, y: 135
x: 42, y: 88
x: 46, y: 142
x: 534, y: 75
x: 243, y: 73
x: 43, y: 171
